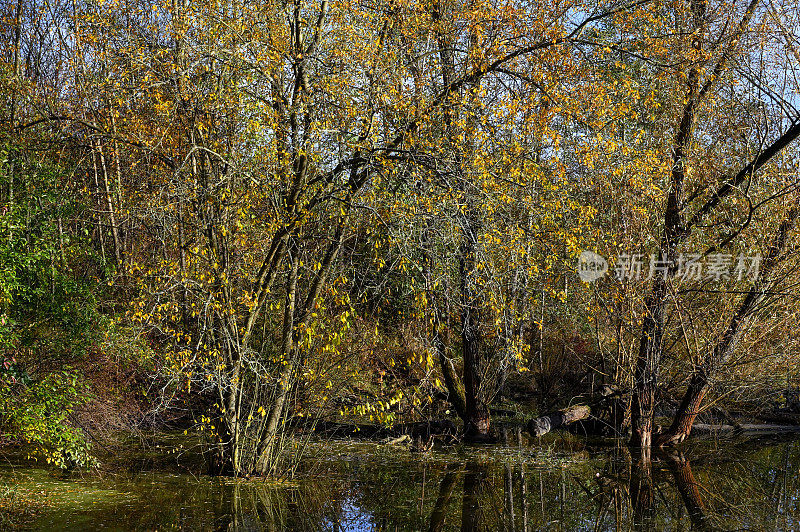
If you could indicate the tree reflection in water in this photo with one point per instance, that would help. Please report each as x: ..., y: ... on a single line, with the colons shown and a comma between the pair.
x: 446, y: 487
x: 689, y: 490
x: 497, y: 488
x: 642, y: 490
x: 624, y: 491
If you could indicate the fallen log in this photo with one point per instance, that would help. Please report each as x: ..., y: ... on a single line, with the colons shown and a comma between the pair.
x: 348, y: 430
x: 783, y: 418
x: 417, y: 430
x: 397, y: 441
x: 700, y: 429
x: 427, y: 429
x: 542, y: 425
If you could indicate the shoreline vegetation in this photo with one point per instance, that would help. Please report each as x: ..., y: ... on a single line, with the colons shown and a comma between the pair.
x: 268, y: 226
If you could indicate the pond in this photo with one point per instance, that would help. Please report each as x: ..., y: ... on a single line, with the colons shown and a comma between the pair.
x: 564, y: 484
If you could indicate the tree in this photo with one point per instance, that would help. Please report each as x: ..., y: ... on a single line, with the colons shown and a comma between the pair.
x: 258, y: 140
x: 710, y: 61
x: 488, y: 191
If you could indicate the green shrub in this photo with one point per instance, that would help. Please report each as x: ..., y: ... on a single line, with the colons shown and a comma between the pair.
x: 48, y: 316
x: 36, y: 413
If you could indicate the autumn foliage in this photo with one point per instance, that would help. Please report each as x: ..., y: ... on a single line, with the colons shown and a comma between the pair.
x: 374, y: 210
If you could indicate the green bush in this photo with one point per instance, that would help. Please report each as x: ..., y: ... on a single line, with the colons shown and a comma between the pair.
x: 37, y: 413
x: 48, y: 315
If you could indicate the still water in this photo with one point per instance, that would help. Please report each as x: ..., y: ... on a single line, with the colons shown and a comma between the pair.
x: 563, y: 485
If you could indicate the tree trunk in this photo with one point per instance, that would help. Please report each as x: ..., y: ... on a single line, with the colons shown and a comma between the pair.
x: 475, y: 413
x: 289, y: 353
x: 698, y: 385
x: 112, y: 217
x: 647, y: 365
x: 476, y: 416
x: 687, y: 411
x: 17, y: 64
x: 650, y: 347
x: 455, y: 389
x: 676, y: 228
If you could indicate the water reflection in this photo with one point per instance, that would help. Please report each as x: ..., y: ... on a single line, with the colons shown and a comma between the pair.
x: 446, y: 488
x: 636, y: 491
x: 642, y: 493
x: 511, y: 489
x: 689, y: 490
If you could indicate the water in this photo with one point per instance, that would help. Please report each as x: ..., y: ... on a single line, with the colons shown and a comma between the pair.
x: 349, y: 487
